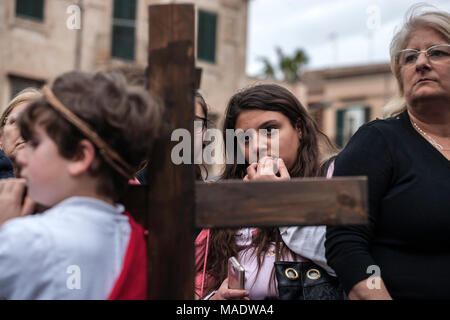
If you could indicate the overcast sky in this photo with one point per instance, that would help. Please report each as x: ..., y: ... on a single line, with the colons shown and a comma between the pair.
x: 332, y: 32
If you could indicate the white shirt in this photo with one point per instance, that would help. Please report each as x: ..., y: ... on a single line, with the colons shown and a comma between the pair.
x: 73, y: 251
x: 309, y: 242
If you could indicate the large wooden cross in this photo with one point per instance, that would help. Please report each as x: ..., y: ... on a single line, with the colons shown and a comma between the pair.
x: 174, y: 203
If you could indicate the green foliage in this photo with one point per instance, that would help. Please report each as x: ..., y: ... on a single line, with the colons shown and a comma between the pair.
x: 288, y: 67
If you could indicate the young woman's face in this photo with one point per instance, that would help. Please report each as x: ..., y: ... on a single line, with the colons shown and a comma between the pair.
x: 260, y: 144
x: 10, y: 140
x: 44, y: 169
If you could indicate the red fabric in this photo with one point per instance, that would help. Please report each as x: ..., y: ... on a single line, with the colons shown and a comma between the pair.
x: 202, y: 280
x: 132, y: 281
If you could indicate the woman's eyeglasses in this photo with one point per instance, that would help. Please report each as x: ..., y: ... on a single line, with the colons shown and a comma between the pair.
x: 436, y: 53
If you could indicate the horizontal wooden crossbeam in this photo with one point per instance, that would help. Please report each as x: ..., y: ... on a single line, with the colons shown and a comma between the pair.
x: 305, y: 201
x: 301, y: 201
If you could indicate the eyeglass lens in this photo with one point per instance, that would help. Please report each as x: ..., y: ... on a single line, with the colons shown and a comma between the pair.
x: 435, y: 53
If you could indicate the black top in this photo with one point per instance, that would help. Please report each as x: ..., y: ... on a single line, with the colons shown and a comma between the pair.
x: 408, y: 235
x: 6, y: 167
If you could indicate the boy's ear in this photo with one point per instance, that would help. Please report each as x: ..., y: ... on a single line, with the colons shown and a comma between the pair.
x: 85, y: 156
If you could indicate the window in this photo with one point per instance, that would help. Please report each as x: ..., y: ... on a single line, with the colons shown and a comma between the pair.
x: 206, y: 39
x: 33, y: 9
x: 348, y: 122
x: 17, y: 84
x: 124, y: 29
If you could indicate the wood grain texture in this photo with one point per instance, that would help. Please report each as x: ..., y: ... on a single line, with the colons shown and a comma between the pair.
x: 308, y: 201
x: 171, y: 200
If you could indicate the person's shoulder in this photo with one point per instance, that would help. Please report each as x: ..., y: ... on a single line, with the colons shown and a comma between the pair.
x: 23, y: 229
x: 387, y: 130
x: 391, y: 123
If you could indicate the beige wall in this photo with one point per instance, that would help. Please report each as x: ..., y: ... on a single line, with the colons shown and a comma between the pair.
x: 32, y: 49
x: 373, y: 88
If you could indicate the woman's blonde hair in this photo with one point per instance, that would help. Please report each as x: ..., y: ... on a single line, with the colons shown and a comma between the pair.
x: 26, y: 95
x: 436, y: 20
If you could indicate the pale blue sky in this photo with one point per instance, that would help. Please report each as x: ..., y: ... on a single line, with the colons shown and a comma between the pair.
x: 312, y: 24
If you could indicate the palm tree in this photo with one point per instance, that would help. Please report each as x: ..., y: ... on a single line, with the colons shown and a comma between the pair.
x: 268, y: 69
x: 289, y: 67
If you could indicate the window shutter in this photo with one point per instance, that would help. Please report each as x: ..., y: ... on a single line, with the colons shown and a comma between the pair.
x: 30, y: 9
x: 124, y: 29
x: 18, y: 84
x: 207, y: 27
x: 125, y: 9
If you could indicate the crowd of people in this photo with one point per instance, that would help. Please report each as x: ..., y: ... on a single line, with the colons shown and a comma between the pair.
x: 69, y: 151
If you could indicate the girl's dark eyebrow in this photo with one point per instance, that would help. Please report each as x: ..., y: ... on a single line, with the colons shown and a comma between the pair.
x: 266, y: 123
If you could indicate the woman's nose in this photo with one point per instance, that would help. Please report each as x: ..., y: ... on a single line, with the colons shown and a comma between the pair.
x: 262, y: 145
x: 257, y: 147
x: 422, y: 61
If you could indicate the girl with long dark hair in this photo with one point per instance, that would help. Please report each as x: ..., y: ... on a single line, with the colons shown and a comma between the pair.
x: 269, y: 114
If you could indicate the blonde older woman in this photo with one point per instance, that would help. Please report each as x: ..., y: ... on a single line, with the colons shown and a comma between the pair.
x: 404, y: 251
x: 10, y: 140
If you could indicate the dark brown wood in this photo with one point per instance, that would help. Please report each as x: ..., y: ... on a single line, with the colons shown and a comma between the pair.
x: 136, y: 202
x: 198, y: 77
x: 307, y: 201
x: 170, y: 216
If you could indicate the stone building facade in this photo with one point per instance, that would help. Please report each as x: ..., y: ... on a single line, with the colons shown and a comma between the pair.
x: 38, y: 46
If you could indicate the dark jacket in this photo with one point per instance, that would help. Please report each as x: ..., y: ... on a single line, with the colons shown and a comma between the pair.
x: 6, y: 167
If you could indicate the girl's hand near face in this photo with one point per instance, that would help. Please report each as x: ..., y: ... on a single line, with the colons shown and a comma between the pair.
x: 11, y: 196
x: 229, y: 294
x: 267, y: 169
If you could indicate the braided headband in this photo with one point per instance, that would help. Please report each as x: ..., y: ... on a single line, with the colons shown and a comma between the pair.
x: 110, y: 156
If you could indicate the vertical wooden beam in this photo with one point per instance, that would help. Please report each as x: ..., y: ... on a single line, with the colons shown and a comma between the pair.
x: 171, y: 202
